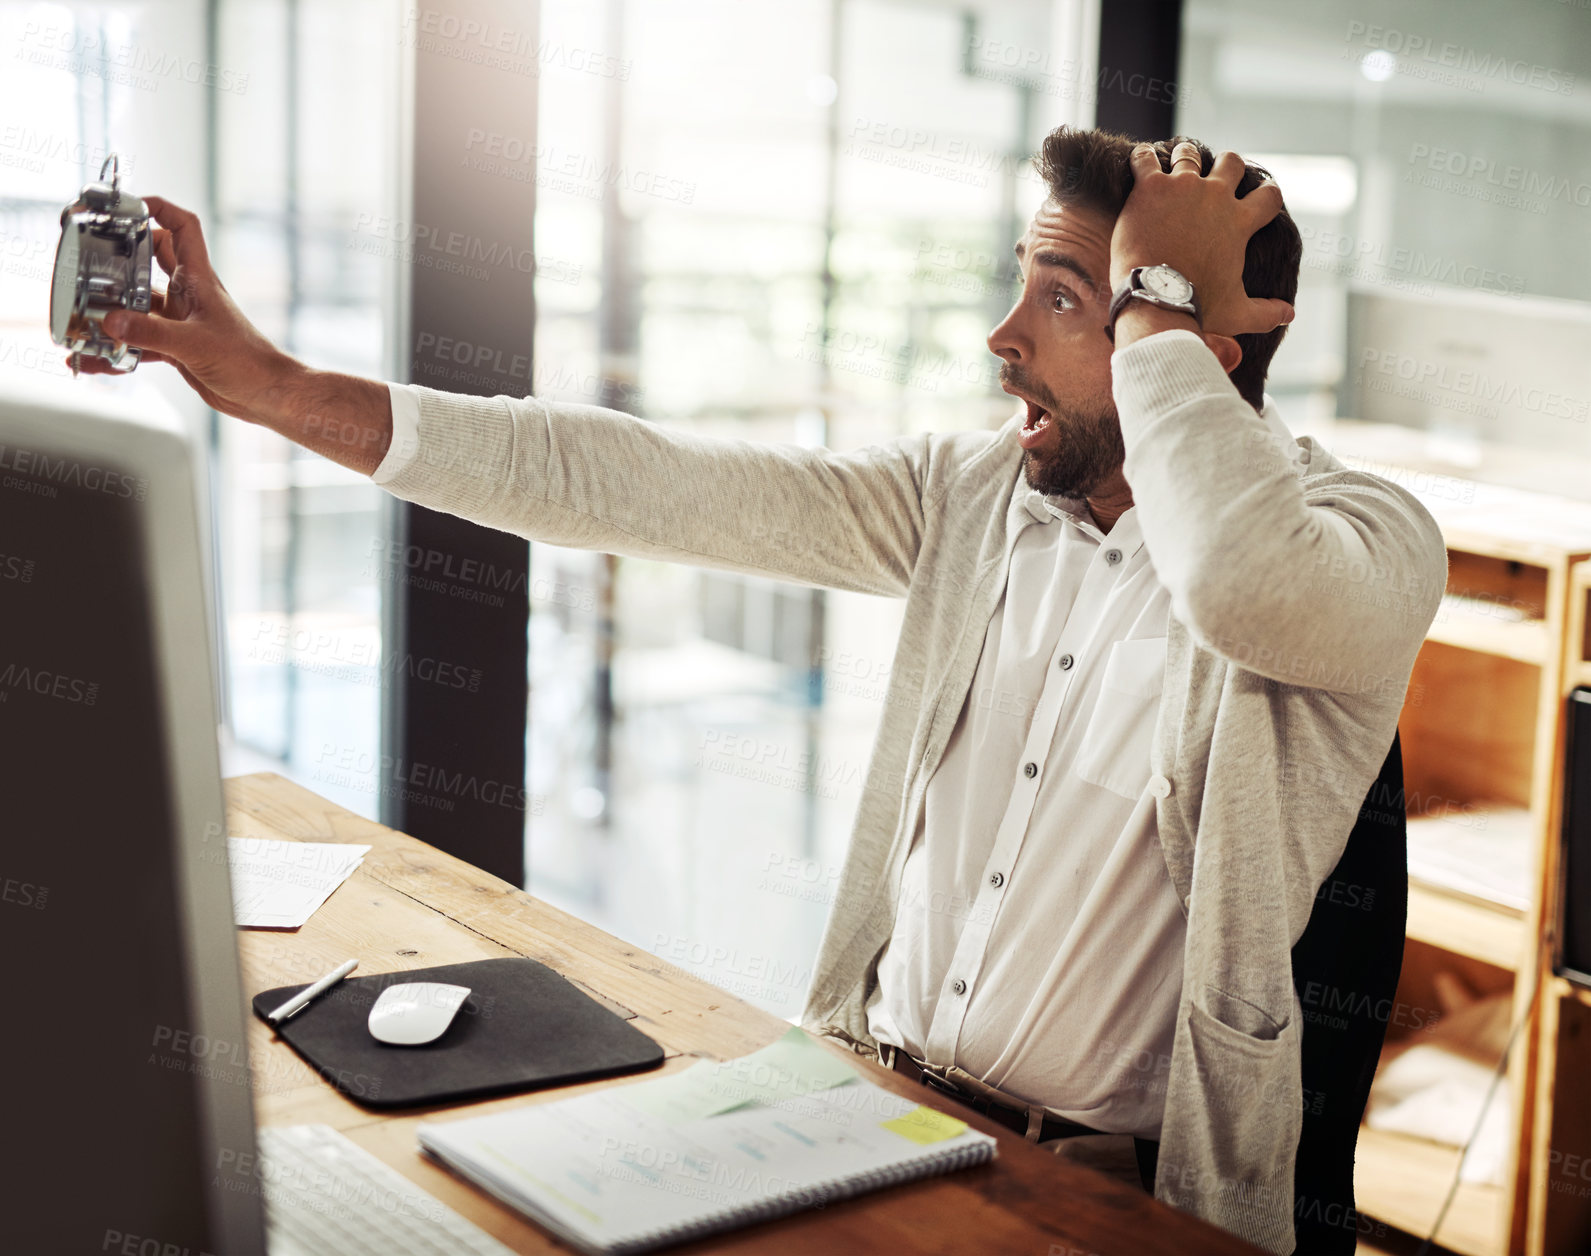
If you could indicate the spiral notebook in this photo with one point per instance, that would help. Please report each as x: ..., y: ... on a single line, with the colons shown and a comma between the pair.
x: 637, y: 1167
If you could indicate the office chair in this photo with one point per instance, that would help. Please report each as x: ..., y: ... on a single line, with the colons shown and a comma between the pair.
x: 1345, y: 969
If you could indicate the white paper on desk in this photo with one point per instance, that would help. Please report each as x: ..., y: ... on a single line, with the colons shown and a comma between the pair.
x: 279, y: 885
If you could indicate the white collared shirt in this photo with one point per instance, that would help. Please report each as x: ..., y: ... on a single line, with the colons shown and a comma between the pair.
x: 1038, y: 942
x: 1046, y: 896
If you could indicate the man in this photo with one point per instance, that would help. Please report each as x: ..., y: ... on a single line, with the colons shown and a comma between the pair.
x: 1139, y: 693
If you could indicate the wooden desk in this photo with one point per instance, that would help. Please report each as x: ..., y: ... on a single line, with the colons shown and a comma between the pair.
x: 411, y: 906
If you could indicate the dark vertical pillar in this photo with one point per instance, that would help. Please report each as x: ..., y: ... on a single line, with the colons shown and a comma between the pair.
x: 456, y: 622
x: 1139, y: 44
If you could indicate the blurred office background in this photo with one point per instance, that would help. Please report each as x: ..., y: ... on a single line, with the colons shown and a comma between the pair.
x: 789, y: 220
x: 784, y: 221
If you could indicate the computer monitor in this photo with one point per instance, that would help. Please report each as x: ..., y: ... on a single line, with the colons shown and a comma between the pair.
x: 1469, y: 366
x: 122, y: 1057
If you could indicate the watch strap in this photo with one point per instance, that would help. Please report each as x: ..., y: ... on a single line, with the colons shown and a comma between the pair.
x: 1132, y: 287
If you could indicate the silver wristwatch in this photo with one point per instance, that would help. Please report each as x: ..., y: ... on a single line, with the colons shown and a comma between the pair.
x: 1159, y: 285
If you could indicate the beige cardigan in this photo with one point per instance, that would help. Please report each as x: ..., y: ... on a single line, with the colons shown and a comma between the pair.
x: 1301, y: 591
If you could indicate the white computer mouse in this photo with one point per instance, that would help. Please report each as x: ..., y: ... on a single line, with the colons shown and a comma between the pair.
x: 415, y: 1012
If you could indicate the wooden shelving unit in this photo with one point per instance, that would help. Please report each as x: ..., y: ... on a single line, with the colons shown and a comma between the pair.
x: 1404, y: 1170
x: 1493, y: 935
x: 1559, y: 1208
x: 1483, y: 723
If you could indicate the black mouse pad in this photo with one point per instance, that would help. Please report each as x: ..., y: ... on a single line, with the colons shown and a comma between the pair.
x: 522, y: 1027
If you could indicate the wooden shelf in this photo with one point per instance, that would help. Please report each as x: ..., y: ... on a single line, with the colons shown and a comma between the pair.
x: 1493, y: 935
x: 1403, y: 1180
x: 1483, y: 727
x: 1484, y: 724
x: 1563, y: 988
x: 1502, y: 497
x: 1525, y: 641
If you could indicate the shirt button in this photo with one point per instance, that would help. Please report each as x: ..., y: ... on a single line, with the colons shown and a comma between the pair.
x: 1159, y: 786
x: 1030, y: 770
x: 1064, y: 662
x: 960, y: 987
x: 997, y: 879
x: 1113, y: 556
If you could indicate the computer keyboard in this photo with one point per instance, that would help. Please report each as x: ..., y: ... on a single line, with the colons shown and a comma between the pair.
x: 327, y: 1196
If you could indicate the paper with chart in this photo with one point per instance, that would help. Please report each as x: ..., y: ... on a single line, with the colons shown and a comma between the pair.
x: 280, y: 885
x: 792, y: 1066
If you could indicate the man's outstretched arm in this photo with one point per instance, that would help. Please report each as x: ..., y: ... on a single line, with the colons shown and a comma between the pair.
x: 567, y: 474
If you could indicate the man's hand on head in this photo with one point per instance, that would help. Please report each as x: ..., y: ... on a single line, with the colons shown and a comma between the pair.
x: 1198, y: 225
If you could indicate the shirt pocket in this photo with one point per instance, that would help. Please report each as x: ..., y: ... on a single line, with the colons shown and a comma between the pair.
x: 1114, y: 752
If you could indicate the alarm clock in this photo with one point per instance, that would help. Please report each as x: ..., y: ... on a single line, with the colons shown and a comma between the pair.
x: 102, y: 264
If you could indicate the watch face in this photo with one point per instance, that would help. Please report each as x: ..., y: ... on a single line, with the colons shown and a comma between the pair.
x: 63, y: 288
x: 1166, y: 283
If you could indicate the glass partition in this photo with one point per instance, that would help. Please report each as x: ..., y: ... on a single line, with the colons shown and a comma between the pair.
x: 303, y: 183
x: 1436, y: 159
x: 784, y: 222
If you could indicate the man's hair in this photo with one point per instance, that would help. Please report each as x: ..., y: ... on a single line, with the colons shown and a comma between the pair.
x: 1093, y: 169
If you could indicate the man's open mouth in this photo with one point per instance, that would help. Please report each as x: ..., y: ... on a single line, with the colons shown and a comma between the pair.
x: 1035, y: 425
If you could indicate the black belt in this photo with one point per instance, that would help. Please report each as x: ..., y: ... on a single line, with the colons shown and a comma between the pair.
x: 1146, y: 1150
x: 1009, y: 1115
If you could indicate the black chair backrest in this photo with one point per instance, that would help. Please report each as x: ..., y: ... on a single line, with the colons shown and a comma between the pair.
x: 1345, y: 968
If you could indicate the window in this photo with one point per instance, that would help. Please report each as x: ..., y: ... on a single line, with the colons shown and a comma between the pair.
x: 302, y: 236
x: 1436, y: 164
x: 695, y: 769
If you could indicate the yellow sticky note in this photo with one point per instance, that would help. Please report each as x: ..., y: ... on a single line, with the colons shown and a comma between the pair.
x: 924, y: 1125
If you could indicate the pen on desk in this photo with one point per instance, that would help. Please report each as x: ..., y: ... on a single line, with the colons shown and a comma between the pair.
x: 303, y: 997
